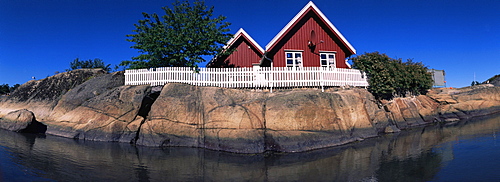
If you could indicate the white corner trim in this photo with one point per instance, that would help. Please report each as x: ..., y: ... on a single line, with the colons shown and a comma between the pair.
x: 308, y: 5
x: 243, y: 32
x: 347, y: 63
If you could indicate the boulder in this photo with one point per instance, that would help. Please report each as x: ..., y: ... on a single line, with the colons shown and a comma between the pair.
x: 391, y: 129
x: 21, y: 121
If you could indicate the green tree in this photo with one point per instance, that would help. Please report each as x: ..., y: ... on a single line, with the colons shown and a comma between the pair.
x: 390, y: 77
x: 181, y: 37
x: 11, y: 89
x: 474, y: 83
x: 96, y: 63
x: 380, y: 80
x: 5, y: 88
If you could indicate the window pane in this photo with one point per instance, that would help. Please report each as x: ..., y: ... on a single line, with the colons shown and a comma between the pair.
x: 331, y: 56
x: 323, y: 56
x: 298, y: 55
x: 289, y: 61
x: 289, y: 55
x: 323, y: 62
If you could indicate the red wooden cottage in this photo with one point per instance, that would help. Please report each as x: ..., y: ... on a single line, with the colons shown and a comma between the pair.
x: 245, y: 52
x: 308, y: 40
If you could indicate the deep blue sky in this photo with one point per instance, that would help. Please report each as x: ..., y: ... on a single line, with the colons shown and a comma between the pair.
x: 40, y: 37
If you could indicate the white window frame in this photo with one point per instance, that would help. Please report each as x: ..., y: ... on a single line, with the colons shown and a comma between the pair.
x: 328, y: 60
x: 296, y: 58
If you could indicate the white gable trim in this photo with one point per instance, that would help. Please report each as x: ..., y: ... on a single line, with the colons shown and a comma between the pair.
x: 238, y: 34
x: 296, y: 18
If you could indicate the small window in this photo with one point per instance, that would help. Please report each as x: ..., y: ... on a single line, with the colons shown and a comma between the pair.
x: 327, y: 59
x: 293, y: 59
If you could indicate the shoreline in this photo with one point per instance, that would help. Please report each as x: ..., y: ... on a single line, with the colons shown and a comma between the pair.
x: 96, y: 106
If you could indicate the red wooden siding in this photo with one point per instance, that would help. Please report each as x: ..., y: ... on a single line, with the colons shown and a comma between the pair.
x: 244, y: 55
x: 297, y: 38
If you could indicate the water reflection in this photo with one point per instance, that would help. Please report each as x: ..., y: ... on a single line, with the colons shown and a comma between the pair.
x: 416, y: 155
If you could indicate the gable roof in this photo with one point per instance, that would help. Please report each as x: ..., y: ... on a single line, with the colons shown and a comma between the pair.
x: 242, y: 34
x: 309, y: 7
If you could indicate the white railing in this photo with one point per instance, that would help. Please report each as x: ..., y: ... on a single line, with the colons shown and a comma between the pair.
x: 254, y: 77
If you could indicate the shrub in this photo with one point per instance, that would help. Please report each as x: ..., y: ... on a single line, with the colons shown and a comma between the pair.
x: 389, y: 78
x: 96, y: 63
x: 5, y: 88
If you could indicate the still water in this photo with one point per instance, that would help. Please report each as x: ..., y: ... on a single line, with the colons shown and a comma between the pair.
x: 463, y: 151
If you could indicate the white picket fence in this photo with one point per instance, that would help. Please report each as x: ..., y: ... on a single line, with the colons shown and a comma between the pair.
x: 253, y: 77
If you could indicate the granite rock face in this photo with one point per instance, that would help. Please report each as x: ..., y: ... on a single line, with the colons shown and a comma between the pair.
x: 101, y: 109
x: 467, y: 102
x: 110, y: 116
x: 92, y: 105
x: 305, y: 120
x: 83, y: 104
x: 247, y: 121
x: 41, y: 96
x: 209, y: 117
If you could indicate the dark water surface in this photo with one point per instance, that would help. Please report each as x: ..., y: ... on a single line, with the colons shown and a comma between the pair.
x: 463, y: 151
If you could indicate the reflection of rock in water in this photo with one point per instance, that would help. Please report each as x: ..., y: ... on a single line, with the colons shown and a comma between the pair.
x: 405, y: 156
x: 419, y: 168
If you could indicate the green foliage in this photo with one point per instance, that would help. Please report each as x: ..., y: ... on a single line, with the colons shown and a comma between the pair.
x: 5, y: 88
x: 179, y: 38
x: 390, y: 77
x: 96, y: 63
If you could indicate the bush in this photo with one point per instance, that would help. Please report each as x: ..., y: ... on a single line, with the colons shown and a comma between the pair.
x: 389, y: 78
x: 96, y: 63
x: 5, y: 88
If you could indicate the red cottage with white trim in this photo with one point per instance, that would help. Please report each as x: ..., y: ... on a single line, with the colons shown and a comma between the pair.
x: 308, y: 40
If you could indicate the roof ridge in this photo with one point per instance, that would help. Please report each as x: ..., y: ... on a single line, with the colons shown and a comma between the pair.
x: 237, y: 35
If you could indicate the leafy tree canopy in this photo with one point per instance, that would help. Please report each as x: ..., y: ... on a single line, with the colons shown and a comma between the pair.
x: 96, y: 63
x: 390, y: 77
x: 179, y: 38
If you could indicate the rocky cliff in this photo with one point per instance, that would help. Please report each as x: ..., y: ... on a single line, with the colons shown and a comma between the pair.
x: 96, y: 106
